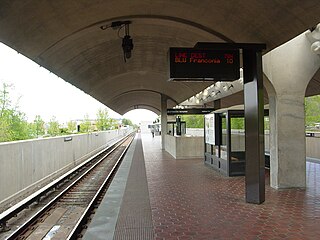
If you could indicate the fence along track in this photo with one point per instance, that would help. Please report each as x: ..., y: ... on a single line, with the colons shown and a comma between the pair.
x: 62, y: 217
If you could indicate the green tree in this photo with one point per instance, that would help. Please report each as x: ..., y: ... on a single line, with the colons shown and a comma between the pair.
x: 127, y: 122
x: 13, y: 123
x: 37, y: 127
x: 5, y: 113
x: 5, y: 101
x: 53, y: 127
x: 193, y: 121
x: 20, y: 126
x: 5, y: 126
x: 237, y: 123
x: 86, y: 125
x: 72, y: 126
x: 114, y: 123
x: 103, y: 120
x: 312, y: 110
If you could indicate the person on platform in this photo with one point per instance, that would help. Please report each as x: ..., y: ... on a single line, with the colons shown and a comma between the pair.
x: 152, y: 132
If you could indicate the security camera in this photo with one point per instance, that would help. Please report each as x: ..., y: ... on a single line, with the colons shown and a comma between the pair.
x: 127, y: 42
x: 127, y: 46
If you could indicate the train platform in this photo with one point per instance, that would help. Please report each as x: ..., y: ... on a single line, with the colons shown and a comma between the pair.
x: 154, y: 196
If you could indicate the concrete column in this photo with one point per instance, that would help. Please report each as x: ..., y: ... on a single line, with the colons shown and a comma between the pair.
x: 289, y: 68
x: 163, y: 119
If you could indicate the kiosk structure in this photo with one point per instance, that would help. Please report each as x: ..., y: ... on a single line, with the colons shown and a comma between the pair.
x: 225, y: 149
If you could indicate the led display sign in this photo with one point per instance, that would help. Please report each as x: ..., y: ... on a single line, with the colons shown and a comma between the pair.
x: 189, y: 111
x: 190, y: 64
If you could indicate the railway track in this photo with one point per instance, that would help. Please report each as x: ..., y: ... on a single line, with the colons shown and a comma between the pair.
x: 66, y: 214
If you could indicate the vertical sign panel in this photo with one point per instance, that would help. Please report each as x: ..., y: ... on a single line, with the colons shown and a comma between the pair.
x: 210, y: 129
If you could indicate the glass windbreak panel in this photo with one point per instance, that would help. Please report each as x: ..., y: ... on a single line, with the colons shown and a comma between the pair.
x: 183, y: 128
x: 208, y: 148
x: 237, y: 139
x: 215, y: 151
x: 223, y: 146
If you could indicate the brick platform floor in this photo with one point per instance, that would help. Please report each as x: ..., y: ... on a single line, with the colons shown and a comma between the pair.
x: 191, y: 201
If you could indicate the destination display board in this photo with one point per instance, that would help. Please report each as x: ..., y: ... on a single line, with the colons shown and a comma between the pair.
x: 190, y: 64
x: 184, y: 111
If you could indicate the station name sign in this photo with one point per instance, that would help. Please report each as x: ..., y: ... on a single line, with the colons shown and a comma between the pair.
x: 193, y: 64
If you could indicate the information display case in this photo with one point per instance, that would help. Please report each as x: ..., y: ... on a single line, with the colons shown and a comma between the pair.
x: 225, y: 142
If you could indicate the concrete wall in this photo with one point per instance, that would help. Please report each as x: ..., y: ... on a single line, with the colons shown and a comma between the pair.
x: 237, y: 138
x: 313, y: 147
x: 195, y: 132
x: 170, y: 145
x: 184, y: 147
x: 26, y: 166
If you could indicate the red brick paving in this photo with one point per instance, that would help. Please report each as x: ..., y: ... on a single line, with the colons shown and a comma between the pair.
x: 191, y: 201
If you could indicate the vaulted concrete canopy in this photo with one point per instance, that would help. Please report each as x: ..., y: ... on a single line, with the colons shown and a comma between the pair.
x: 65, y: 37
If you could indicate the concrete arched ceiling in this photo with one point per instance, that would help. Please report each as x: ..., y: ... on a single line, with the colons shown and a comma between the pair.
x: 66, y: 38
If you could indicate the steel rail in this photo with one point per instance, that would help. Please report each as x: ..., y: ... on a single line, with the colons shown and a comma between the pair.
x: 14, y: 210
x: 88, y: 211
x: 19, y: 207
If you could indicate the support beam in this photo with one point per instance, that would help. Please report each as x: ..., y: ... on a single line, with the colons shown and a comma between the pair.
x: 164, y: 99
x: 254, y: 129
x: 217, y: 104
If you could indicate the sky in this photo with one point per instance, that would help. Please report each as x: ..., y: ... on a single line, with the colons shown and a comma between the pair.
x: 38, y: 92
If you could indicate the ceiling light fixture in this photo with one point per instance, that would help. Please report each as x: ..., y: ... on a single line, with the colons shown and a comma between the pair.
x: 226, y: 87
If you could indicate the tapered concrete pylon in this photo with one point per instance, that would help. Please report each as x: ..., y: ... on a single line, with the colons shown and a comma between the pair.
x: 289, y: 68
